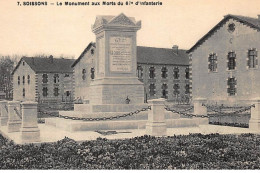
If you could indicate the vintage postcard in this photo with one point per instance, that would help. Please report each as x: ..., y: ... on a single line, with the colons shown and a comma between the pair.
x: 129, y: 85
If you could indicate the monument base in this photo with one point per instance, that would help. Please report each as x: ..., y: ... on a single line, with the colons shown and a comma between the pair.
x: 31, y: 134
x: 156, y: 128
x: 14, y: 126
x: 3, y: 121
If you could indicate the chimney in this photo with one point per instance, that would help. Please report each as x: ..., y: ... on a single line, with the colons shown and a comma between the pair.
x: 258, y: 16
x: 175, y: 49
x: 51, y: 59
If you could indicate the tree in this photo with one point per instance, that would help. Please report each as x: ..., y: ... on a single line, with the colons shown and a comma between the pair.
x: 6, y: 68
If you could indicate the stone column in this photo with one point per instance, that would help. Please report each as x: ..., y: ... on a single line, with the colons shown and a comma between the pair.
x: 200, y: 110
x: 30, y: 130
x: 156, y: 125
x: 4, y: 113
x: 254, y: 122
x: 14, y: 121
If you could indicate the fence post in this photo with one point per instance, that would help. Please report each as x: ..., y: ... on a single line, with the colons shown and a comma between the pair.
x: 30, y: 130
x: 4, y: 113
x: 200, y: 110
x: 156, y: 125
x: 14, y: 121
x: 254, y: 122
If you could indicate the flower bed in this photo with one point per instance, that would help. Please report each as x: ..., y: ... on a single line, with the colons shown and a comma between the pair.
x: 194, y: 151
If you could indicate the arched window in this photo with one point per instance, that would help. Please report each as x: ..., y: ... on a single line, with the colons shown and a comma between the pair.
x: 23, y: 80
x: 28, y: 79
x: 176, y: 73
x: 252, y: 58
x: 176, y: 88
x: 164, y: 72
x: 152, y: 72
x: 152, y: 89
x: 187, y: 73
x: 92, y: 72
x: 164, y: 91
x: 83, y: 74
x: 44, y: 78
x: 23, y: 92
x: 231, y: 61
x: 231, y: 82
x: 212, y: 61
x: 56, y: 78
x: 18, y: 80
x: 139, y: 72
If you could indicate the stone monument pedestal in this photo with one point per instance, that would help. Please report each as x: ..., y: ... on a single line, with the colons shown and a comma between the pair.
x: 30, y: 131
x: 14, y: 121
x: 254, y: 122
x: 3, y: 113
x: 156, y: 125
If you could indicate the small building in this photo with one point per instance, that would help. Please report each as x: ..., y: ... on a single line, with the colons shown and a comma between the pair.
x: 164, y: 72
x: 225, y: 61
x: 46, y: 80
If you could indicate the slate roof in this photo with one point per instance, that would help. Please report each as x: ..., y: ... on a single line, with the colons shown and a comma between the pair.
x: 152, y: 55
x: 249, y: 21
x: 44, y: 65
x: 83, y: 53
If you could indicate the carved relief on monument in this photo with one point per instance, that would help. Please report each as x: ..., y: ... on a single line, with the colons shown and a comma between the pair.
x: 120, y: 54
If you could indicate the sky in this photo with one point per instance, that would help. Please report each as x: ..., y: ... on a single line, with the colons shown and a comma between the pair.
x: 66, y: 30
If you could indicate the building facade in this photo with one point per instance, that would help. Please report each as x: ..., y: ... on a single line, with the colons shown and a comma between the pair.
x: 44, y: 80
x: 225, y: 61
x: 164, y: 72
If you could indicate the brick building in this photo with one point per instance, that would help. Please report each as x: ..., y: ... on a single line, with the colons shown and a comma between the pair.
x: 164, y: 72
x: 225, y: 61
x: 43, y: 80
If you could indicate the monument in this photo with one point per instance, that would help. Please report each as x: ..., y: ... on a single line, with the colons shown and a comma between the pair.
x: 116, y: 87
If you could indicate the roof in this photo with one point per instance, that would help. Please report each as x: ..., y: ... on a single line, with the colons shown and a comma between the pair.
x: 249, y: 21
x: 152, y: 55
x: 44, y: 65
x: 83, y: 53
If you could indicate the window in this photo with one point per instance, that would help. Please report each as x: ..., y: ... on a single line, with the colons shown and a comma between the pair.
x: 212, y: 62
x: 152, y: 72
x: 18, y: 80
x: 28, y: 79
x: 23, y: 80
x: 252, y: 58
x: 56, y: 91
x: 176, y: 73
x: 187, y: 73
x: 66, y: 75
x: 187, y: 89
x: 44, y: 78
x: 23, y: 63
x: 23, y: 92
x: 83, y: 74
x: 231, y: 61
x: 92, y: 51
x: 176, y: 88
x: 67, y: 93
x: 164, y: 72
x: 152, y: 89
x: 231, y: 27
x: 44, y: 91
x: 139, y: 72
x: 56, y: 78
x: 92, y: 72
x: 231, y: 82
x: 164, y: 91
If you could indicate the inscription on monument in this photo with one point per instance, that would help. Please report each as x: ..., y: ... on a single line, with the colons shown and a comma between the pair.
x: 101, y: 55
x: 120, y: 54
